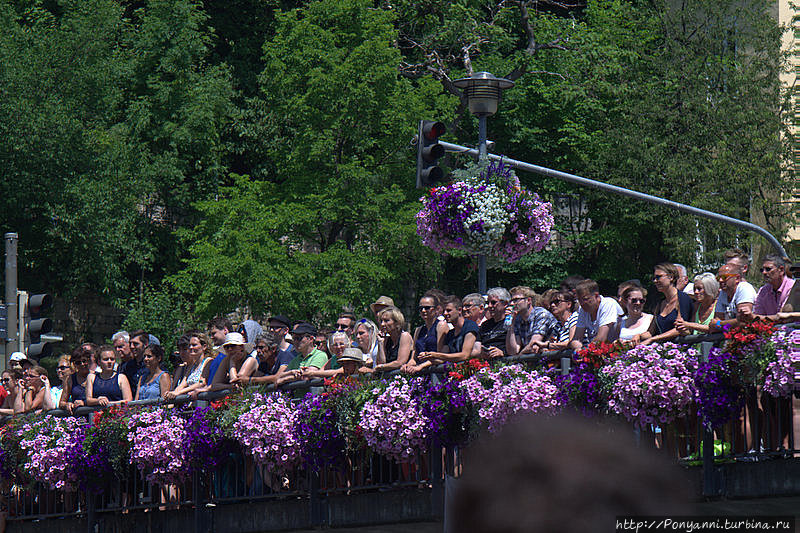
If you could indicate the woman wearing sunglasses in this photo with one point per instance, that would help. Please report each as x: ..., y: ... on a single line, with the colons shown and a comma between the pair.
x: 63, y: 371
x: 11, y: 378
x: 635, y: 322
x: 369, y: 342
x: 74, y: 394
x: 562, y: 305
x: 426, y: 337
x: 36, y: 385
x: 676, y: 304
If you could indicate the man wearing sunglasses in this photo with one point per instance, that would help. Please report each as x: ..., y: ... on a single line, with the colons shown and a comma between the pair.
x: 773, y: 295
x: 308, y: 356
x: 346, y: 322
x: 736, y: 297
x: 493, y: 330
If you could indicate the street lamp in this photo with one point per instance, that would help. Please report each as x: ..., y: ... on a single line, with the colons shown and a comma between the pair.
x: 483, y: 91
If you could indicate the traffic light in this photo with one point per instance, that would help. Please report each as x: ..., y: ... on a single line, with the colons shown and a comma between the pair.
x: 35, y: 324
x: 428, y: 152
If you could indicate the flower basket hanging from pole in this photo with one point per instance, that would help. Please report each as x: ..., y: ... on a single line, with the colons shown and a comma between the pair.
x: 490, y: 214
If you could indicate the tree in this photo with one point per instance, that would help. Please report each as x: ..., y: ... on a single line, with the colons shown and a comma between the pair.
x: 110, y: 129
x: 328, y: 219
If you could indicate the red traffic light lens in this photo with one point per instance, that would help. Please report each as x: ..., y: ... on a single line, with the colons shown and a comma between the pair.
x: 433, y: 130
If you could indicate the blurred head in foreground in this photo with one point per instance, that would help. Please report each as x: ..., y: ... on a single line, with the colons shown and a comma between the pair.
x: 565, y: 474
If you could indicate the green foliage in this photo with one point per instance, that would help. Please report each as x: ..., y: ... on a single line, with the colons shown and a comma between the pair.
x: 329, y: 222
x: 110, y: 127
x: 125, y: 128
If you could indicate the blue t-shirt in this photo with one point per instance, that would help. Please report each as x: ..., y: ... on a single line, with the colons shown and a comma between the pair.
x: 456, y: 342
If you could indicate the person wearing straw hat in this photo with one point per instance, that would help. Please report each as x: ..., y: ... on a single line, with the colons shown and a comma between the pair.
x: 380, y: 304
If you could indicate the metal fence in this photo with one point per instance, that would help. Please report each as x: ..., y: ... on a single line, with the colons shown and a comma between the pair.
x: 764, y: 431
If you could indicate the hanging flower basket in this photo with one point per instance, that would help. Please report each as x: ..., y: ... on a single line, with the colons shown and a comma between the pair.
x: 489, y: 213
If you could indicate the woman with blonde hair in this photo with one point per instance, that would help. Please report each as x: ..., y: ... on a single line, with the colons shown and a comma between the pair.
x: 706, y: 290
x: 369, y: 342
x: 36, y: 395
x: 397, y: 343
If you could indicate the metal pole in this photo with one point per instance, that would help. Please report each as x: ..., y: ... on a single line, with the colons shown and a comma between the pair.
x: 11, y: 296
x: 481, y: 157
x: 572, y: 178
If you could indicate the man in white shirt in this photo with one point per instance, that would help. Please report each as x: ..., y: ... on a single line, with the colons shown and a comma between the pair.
x: 736, y: 297
x: 599, y: 316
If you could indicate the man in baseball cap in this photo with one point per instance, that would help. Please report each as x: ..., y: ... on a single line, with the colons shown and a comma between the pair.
x: 308, y: 356
x: 18, y: 360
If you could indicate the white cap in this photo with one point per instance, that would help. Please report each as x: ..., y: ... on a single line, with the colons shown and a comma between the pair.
x: 233, y: 338
x: 17, y: 356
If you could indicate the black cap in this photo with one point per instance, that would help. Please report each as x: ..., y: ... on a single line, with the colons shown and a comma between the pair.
x: 283, y: 319
x: 304, y: 328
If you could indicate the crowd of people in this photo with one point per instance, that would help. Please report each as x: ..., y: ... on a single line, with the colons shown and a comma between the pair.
x: 453, y: 329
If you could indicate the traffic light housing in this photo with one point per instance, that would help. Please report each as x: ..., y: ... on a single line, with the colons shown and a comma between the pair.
x: 429, y: 151
x: 35, y: 324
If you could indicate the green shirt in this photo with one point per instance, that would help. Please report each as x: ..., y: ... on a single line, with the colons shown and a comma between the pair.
x: 316, y: 358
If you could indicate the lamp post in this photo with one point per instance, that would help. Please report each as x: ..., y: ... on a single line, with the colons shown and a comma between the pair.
x: 483, y: 91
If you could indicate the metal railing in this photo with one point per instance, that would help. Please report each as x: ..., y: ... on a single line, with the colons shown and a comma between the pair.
x: 764, y: 431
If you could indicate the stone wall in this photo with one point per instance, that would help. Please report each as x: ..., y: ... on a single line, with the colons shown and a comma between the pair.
x: 87, y: 318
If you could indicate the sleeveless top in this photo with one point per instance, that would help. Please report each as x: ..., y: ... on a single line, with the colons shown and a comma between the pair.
x: 107, y: 387
x: 152, y: 390
x: 78, y: 391
x: 390, y: 349
x: 195, y: 375
x: 666, y: 323
x: 427, y: 338
x: 705, y: 322
x: 627, y: 334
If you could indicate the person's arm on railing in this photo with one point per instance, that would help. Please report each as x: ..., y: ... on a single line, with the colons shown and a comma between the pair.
x: 440, y: 357
x: 576, y: 338
x: 48, y: 402
x: 403, y: 354
x: 19, y: 399
x: 102, y: 401
x: 512, y: 345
